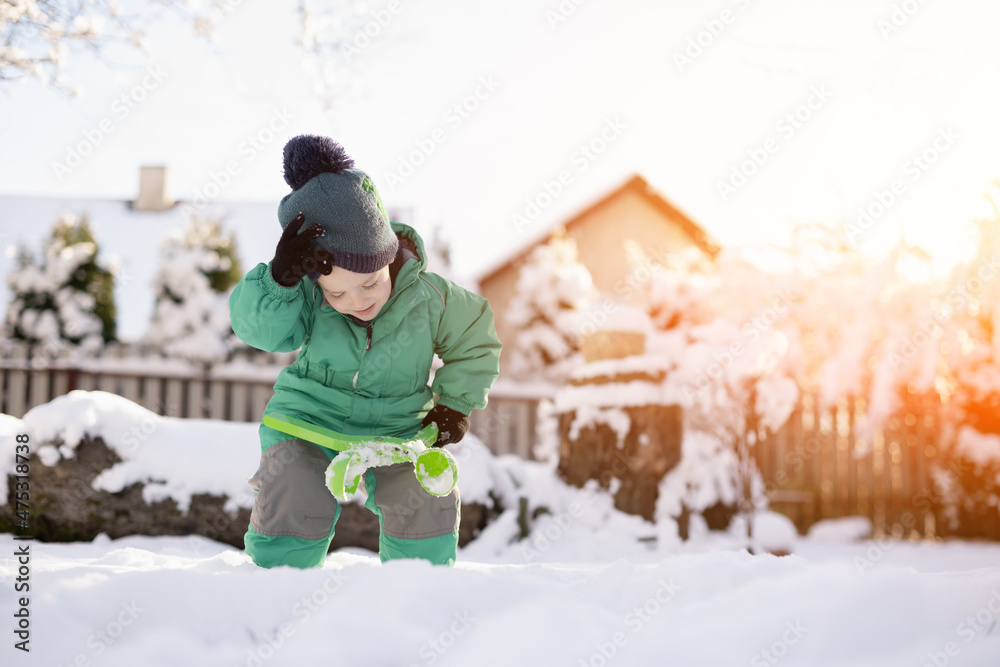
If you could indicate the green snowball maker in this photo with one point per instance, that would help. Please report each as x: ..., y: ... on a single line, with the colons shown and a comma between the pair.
x: 436, y: 469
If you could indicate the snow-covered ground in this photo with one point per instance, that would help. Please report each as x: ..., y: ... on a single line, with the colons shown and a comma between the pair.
x: 187, y: 600
x: 589, y: 586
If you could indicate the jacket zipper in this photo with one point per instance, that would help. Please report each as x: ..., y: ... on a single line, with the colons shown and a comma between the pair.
x: 368, y: 343
x: 368, y: 346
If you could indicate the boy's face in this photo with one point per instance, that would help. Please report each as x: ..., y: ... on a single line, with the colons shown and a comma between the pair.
x: 359, y: 294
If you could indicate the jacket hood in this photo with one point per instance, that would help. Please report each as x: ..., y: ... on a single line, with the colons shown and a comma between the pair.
x: 411, y: 246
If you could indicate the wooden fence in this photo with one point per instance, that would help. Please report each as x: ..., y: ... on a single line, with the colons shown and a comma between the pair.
x: 815, y: 467
x: 232, y: 392
x: 818, y: 466
x: 176, y: 389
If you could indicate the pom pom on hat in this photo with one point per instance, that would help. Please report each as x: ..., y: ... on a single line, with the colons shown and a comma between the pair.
x: 307, y: 155
x: 328, y: 190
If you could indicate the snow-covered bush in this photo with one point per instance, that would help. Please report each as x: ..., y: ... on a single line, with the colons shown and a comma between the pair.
x: 729, y: 377
x: 818, y: 318
x: 746, y: 335
x: 553, y: 288
x: 980, y: 455
x: 67, y: 301
x: 707, y: 475
x: 198, y: 269
x: 966, y: 375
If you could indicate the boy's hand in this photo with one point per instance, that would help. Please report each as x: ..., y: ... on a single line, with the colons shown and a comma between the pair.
x: 293, y: 258
x: 452, y: 425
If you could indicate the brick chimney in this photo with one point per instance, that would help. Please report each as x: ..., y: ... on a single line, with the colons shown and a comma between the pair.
x: 152, y: 190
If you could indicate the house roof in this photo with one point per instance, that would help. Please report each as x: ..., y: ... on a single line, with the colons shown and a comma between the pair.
x: 636, y: 184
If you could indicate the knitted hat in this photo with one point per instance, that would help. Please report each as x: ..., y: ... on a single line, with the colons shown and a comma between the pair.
x: 329, y: 191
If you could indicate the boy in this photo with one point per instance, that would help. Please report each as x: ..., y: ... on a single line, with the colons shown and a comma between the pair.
x: 368, y: 320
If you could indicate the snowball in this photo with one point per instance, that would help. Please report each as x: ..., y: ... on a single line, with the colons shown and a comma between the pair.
x: 775, y: 532
x: 772, y: 532
x: 846, y: 529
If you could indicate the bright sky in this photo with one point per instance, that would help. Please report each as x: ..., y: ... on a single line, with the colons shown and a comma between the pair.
x: 807, y: 110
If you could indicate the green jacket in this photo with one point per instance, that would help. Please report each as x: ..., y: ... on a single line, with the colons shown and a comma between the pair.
x: 371, y: 380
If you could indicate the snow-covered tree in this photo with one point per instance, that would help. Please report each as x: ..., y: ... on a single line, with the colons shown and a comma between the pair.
x: 37, y: 37
x: 752, y: 333
x: 334, y: 33
x: 197, y: 271
x: 67, y: 300
x: 553, y: 289
x: 726, y: 369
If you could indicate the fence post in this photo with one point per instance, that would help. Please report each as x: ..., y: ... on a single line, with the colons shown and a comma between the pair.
x: 152, y: 394
x: 174, y: 397
x: 851, y: 460
x: 217, y: 396
x: 63, y: 376
x: 17, y: 381
x: 39, y: 383
x: 817, y: 464
x: 196, y: 395
x: 130, y: 382
x: 238, y: 402
x: 262, y: 393
x: 522, y: 423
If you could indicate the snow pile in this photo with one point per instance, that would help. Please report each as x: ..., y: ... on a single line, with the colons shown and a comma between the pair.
x: 480, y: 474
x: 770, y: 532
x: 563, y: 522
x: 176, y: 458
x: 847, y: 529
x: 173, y: 457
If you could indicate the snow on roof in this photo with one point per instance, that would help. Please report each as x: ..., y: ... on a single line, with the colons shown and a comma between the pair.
x: 133, y: 238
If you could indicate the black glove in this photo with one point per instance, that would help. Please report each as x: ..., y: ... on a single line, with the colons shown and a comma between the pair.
x: 452, y: 425
x: 294, y: 258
